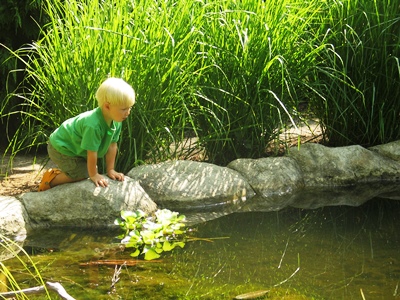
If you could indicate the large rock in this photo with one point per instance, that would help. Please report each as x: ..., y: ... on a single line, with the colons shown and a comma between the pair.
x: 390, y: 150
x: 187, y: 185
x: 310, y: 177
x: 82, y: 204
x: 324, y: 166
x: 12, y: 222
x: 270, y: 176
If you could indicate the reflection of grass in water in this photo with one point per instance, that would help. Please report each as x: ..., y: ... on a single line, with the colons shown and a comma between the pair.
x: 354, y: 248
x: 341, y: 250
x: 246, y: 262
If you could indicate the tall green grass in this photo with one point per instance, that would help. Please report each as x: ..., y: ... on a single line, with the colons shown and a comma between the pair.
x: 213, y: 70
x: 229, y: 73
x: 358, y: 77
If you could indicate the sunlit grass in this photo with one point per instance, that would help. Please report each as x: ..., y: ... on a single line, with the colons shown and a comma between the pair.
x: 228, y: 73
x: 8, y: 281
x: 358, y: 77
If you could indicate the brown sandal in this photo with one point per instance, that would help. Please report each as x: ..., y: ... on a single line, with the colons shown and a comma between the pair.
x: 48, y: 176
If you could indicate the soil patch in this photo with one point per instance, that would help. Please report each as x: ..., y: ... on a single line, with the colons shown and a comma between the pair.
x: 22, y: 174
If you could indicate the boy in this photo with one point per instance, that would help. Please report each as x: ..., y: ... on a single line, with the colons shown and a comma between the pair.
x: 77, y: 144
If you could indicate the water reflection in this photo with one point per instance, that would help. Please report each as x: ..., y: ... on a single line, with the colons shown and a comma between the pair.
x: 342, y: 252
x: 336, y: 252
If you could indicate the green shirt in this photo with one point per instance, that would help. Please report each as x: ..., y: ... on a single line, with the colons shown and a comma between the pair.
x: 87, y: 131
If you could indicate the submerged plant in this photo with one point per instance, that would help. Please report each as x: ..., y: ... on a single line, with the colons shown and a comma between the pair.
x: 152, y: 235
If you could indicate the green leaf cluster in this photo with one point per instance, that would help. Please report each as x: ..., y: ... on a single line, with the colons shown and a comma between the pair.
x: 151, y: 235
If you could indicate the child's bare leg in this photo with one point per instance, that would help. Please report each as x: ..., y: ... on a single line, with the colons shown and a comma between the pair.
x: 62, y: 178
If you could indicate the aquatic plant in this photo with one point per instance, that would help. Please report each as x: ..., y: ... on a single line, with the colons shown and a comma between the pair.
x: 151, y: 235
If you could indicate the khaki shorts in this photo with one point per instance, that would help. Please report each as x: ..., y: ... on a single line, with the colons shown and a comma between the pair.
x: 75, y: 167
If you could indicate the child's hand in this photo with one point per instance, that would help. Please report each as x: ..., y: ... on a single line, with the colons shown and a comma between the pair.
x: 115, y: 175
x: 99, y: 180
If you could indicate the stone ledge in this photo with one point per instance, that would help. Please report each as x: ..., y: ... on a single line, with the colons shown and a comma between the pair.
x: 309, y: 177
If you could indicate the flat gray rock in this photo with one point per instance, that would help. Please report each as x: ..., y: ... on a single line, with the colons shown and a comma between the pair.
x: 12, y: 222
x: 390, y: 150
x: 310, y: 177
x: 270, y: 176
x: 82, y: 204
x: 187, y: 185
x: 325, y: 166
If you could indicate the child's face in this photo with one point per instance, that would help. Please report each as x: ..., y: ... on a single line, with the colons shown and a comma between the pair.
x: 119, y: 113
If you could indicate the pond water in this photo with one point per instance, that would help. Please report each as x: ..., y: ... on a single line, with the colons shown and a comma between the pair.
x: 337, y: 252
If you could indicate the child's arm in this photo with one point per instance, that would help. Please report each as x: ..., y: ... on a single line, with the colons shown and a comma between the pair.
x: 110, y: 163
x: 92, y: 169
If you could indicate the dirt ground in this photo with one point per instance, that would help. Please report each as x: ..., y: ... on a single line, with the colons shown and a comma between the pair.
x: 23, y: 175
x: 25, y: 172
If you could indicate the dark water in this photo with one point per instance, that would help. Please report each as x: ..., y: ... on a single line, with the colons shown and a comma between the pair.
x: 328, y: 253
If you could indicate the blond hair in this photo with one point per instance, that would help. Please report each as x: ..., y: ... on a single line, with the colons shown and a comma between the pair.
x: 115, y: 91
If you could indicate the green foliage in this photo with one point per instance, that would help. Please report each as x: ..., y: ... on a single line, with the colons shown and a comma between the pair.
x: 230, y: 74
x: 152, y: 235
x: 7, y: 280
x: 19, y: 25
x: 357, y: 79
x: 18, y: 21
x: 217, y: 71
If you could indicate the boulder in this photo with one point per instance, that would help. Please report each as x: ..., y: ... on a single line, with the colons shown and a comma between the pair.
x: 390, y: 150
x: 324, y: 166
x: 309, y: 177
x: 82, y: 204
x: 12, y: 222
x: 190, y: 185
x: 270, y: 176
